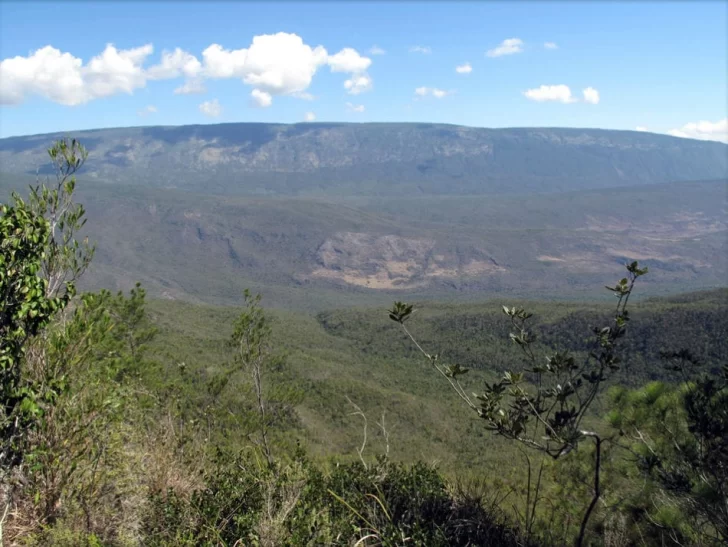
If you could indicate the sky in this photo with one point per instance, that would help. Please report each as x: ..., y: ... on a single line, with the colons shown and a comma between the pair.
x: 654, y: 66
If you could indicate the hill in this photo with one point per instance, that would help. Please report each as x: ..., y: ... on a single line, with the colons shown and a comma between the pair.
x: 335, y: 159
x: 360, y: 354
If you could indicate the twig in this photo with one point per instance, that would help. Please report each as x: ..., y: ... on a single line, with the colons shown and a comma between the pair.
x: 359, y: 412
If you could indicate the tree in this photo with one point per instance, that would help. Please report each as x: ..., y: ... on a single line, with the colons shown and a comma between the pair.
x: 678, y: 437
x: 40, y: 259
x: 253, y: 353
x: 544, y: 406
x: 66, y: 258
x: 25, y: 309
x: 78, y: 465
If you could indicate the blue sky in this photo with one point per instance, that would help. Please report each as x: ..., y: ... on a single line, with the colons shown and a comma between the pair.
x: 654, y: 65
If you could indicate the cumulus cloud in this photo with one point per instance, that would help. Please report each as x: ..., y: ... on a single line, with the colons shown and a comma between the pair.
x: 420, y: 49
x: 465, y: 68
x: 506, y: 47
x: 211, y: 108
x: 262, y: 99
x: 591, y: 95
x: 273, y: 65
x: 557, y: 93
x: 376, y: 50
x: 358, y: 83
x: 433, y: 92
x: 641, y: 128
x: 348, y: 60
x: 224, y: 63
x: 310, y: 117
x: 703, y: 130
x: 63, y: 78
x: 116, y: 71
x: 550, y: 45
x: 47, y: 72
x: 355, y: 107
x: 175, y: 64
x: 191, y: 87
x: 560, y: 94
x: 150, y: 109
x: 282, y: 64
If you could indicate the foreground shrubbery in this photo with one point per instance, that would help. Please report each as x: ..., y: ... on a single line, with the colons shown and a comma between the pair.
x: 298, y: 504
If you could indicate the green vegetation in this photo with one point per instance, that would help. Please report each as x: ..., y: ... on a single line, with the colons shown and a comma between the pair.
x: 162, y: 422
x: 547, y: 415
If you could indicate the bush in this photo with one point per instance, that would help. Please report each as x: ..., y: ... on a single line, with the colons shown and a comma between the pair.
x: 298, y: 504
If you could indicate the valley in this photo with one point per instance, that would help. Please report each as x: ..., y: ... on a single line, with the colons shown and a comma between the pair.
x: 360, y: 224
x: 332, y: 224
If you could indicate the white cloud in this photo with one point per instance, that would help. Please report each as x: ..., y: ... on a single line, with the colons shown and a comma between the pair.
x: 358, y: 83
x: 262, y: 99
x: 703, y: 130
x: 506, y: 47
x: 116, y: 71
x: 550, y: 45
x: 376, y: 50
x: 558, y: 93
x: 355, y: 107
x: 273, y: 64
x: 64, y: 79
x: 348, y: 60
x: 420, y: 49
x: 310, y: 117
x: 223, y: 63
x: 47, y: 72
x: 150, y: 109
x: 191, y: 87
x: 591, y: 95
x: 282, y: 64
x: 432, y: 91
x: 641, y: 128
x: 464, y: 68
x: 211, y: 108
x: 174, y: 64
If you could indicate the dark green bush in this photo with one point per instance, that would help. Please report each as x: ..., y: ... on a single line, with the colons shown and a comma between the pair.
x: 299, y: 504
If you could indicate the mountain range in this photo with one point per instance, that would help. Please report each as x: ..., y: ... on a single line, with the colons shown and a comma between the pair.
x: 320, y: 159
x: 326, y: 215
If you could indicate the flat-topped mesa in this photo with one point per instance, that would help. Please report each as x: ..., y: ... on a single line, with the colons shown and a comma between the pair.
x: 377, y: 159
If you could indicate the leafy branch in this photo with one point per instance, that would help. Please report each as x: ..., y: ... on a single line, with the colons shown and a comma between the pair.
x: 544, y: 406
